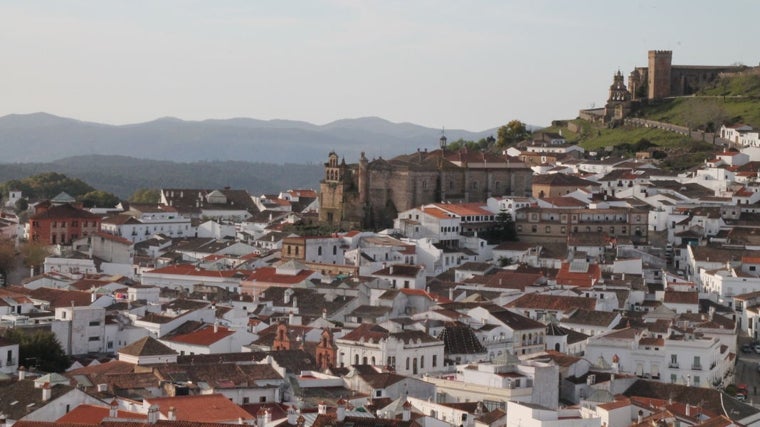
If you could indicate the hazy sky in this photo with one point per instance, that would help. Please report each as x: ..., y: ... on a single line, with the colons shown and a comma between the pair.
x: 458, y: 64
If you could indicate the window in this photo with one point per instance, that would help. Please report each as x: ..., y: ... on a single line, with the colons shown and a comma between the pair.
x: 91, y: 339
x: 262, y: 399
x: 335, y: 250
x: 95, y: 323
x: 435, y: 360
x: 407, y: 364
x: 319, y: 251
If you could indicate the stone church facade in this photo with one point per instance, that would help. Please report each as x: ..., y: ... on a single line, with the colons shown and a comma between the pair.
x: 371, y: 193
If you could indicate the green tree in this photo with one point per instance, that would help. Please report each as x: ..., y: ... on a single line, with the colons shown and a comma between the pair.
x: 34, y: 254
x: 39, y: 349
x: 506, y: 226
x: 47, y: 185
x: 99, y: 198
x: 145, y: 195
x: 21, y: 205
x: 511, y: 133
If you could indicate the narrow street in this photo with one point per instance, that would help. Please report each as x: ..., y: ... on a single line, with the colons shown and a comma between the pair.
x: 747, y: 373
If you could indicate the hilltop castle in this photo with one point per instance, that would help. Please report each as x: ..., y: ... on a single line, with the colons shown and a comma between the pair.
x: 371, y: 193
x: 660, y: 79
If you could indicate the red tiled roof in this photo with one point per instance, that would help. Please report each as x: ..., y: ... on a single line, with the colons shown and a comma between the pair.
x: 65, y: 211
x: 436, y: 213
x: 367, y: 331
x: 587, y: 279
x: 553, y: 302
x: 91, y: 414
x: 674, y: 297
x: 204, y: 336
x: 201, y: 408
x: 61, y: 298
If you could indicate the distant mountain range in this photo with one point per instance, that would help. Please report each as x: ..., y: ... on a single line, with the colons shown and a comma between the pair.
x: 123, y: 175
x: 42, y: 137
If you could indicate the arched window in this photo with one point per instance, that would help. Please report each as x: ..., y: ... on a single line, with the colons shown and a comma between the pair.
x: 319, y: 251
x: 422, y: 362
x: 356, y: 359
x: 407, y: 363
x: 335, y: 250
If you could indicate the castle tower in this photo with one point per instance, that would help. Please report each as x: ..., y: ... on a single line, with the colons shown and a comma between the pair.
x: 659, y: 73
x: 331, y: 190
x: 363, y: 179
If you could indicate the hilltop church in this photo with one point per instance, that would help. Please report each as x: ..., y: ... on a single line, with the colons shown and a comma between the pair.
x: 371, y: 193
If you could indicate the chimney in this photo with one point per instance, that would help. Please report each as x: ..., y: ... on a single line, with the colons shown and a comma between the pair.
x: 340, y: 414
x: 291, y: 317
x: 300, y: 421
x: 113, y: 411
x: 93, y: 297
x: 21, y: 373
x: 391, y: 270
x: 268, y: 416
x: 322, y: 408
x: 216, y: 326
x: 46, y: 392
x: 292, y: 416
x: 406, y: 414
x: 688, y: 410
x: 451, y: 294
x: 152, y: 414
x: 324, y: 313
x: 640, y: 418
x: 172, y: 414
x: 261, y: 415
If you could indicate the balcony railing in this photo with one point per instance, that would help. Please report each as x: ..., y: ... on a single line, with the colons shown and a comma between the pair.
x: 696, y: 367
x: 673, y: 365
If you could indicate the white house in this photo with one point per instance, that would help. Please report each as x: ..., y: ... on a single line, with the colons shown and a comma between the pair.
x: 410, y: 352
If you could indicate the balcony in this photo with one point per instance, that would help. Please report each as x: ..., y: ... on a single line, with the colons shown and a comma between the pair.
x: 696, y: 367
x: 673, y: 365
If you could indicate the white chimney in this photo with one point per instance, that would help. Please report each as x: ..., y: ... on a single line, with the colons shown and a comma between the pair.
x: 268, y: 417
x: 340, y: 413
x: 93, y: 297
x: 113, y: 411
x: 152, y: 414
x: 406, y: 414
x: 291, y: 318
x: 322, y: 408
x: 324, y: 313
x: 216, y: 326
x: 261, y: 417
x: 688, y: 410
x: 21, y: 373
x: 292, y: 416
x: 46, y: 392
x: 172, y: 414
